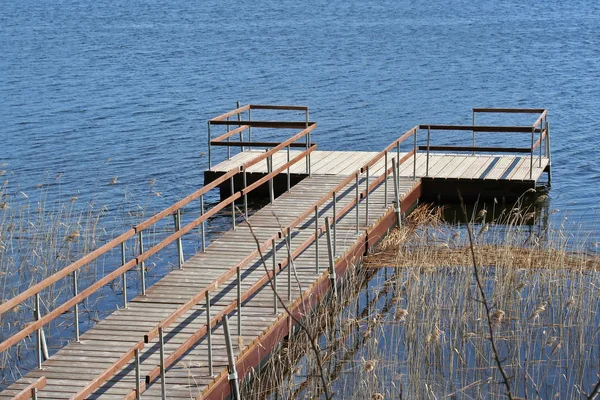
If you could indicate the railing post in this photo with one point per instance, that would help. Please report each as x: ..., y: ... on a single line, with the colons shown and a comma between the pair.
x: 138, y: 389
x: 143, y: 264
x: 250, y: 127
x: 332, y: 276
x: 34, y: 393
x: 177, y: 222
x: 290, y: 261
x: 541, y: 141
x: 269, y: 171
x: 549, y: 153
x: 163, y: 387
x: 209, y: 333
x: 245, y: 183
x: 357, y: 201
x: 76, y: 307
x: 202, y: 225
x: 397, y: 193
x: 385, y: 187
x: 317, y: 238
x: 37, y: 315
x: 228, y: 141
x: 241, y: 132
x: 307, y: 140
x: 367, y: 200
x: 397, y: 158
x: 232, y: 185
x: 531, y: 160
x: 233, y: 376
x: 289, y: 183
x: 415, y: 156
x: 428, y: 141
x: 124, y: 276
x: 334, y: 220
x: 209, y: 149
x: 239, y: 301
x: 473, y: 131
x: 274, y: 259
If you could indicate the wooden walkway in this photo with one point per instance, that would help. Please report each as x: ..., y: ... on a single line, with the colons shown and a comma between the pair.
x: 356, y: 194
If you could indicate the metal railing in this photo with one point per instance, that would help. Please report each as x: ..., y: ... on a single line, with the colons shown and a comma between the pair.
x: 137, y: 231
x: 234, y: 119
x: 540, y: 128
x: 270, y: 246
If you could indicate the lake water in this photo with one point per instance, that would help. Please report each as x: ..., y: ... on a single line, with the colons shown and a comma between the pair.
x: 124, y: 89
x: 90, y: 91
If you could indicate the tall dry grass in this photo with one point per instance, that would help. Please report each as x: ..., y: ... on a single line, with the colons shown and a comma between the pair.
x: 418, y: 328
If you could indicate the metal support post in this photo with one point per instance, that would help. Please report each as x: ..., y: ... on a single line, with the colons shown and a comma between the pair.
x: 228, y: 141
x: 397, y: 194
x: 357, y: 201
x: 334, y: 220
x: 290, y: 261
x: 161, y: 340
x: 239, y: 301
x: 317, y: 238
x: 531, y: 158
x: 203, y: 225
x: 232, y: 185
x: 385, y: 186
x: 76, y: 307
x: 209, y: 333
x: 143, y: 264
x: 233, y: 375
x: 209, y: 149
x: 124, y: 276
x: 289, y: 182
x: 241, y: 132
x: 367, y: 200
x: 274, y: 258
x: 136, y: 354
x: 415, y: 156
x: 37, y: 315
x: 250, y: 128
x: 332, y: 276
x: 307, y: 140
x: 269, y: 170
x: 245, y: 183
x: 428, y: 142
x: 177, y: 221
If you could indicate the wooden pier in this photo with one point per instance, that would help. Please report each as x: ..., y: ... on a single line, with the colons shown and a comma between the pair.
x: 326, y: 210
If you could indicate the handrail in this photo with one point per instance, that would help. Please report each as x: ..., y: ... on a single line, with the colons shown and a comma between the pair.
x: 235, y: 131
x: 167, y: 321
x: 509, y: 110
x: 479, y: 128
x: 30, y: 392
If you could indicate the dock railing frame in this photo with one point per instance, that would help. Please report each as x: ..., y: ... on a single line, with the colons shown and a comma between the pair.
x: 234, y: 117
x: 174, y: 210
x: 540, y: 127
x: 268, y: 245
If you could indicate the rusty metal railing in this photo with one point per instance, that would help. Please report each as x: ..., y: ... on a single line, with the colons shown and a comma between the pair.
x: 540, y: 127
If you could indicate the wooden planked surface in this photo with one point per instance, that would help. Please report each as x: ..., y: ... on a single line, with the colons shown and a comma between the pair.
x: 76, y: 364
x: 441, y: 165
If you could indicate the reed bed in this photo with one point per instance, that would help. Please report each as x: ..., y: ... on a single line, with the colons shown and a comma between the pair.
x: 414, y: 326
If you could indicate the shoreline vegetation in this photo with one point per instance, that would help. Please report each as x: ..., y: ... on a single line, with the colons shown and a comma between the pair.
x: 412, y: 323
